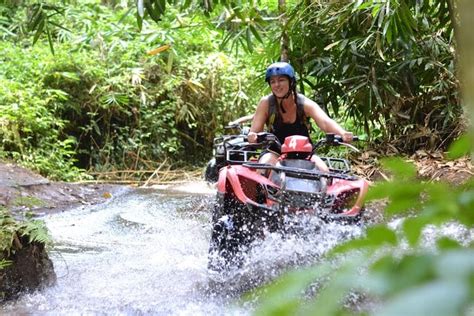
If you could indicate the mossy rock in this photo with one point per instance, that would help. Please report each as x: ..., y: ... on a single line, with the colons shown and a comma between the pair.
x: 30, y: 269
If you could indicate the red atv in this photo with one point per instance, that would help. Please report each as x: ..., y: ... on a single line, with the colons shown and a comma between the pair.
x: 253, y: 198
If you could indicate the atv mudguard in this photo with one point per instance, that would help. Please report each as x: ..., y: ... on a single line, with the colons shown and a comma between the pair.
x: 340, y: 186
x: 235, y: 177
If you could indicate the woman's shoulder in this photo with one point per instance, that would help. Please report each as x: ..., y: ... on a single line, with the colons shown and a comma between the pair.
x: 305, y: 100
x: 265, y: 100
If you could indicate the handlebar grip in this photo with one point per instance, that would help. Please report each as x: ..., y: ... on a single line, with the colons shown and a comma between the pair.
x: 261, y: 137
x: 333, y: 138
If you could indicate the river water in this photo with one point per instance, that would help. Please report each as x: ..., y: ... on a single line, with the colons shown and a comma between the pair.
x: 145, y: 252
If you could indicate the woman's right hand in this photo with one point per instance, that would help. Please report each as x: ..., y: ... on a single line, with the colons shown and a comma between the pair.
x: 252, y: 137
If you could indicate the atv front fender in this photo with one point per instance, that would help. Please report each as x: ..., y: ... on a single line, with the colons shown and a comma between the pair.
x: 242, y: 182
x: 339, y: 187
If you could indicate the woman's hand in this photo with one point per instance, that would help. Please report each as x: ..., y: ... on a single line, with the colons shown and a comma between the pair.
x: 252, y: 137
x: 347, y: 137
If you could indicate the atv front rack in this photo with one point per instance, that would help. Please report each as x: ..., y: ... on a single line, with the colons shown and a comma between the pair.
x: 337, y: 164
x: 300, y: 173
x: 236, y: 157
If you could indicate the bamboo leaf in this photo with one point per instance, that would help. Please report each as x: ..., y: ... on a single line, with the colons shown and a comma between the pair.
x: 50, y: 40
x: 158, y: 50
x: 36, y: 18
x: 141, y: 8
x: 39, y: 30
x: 169, y: 65
x: 139, y: 22
x: 122, y: 18
x: 328, y: 47
x: 151, y: 11
x: 255, y: 33
x: 59, y: 26
x: 378, y: 44
x: 249, y: 39
x: 160, y: 6
x: 186, y: 4
x: 377, y: 95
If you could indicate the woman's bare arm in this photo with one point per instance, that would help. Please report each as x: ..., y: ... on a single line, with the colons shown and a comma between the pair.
x: 259, y: 119
x: 324, y: 122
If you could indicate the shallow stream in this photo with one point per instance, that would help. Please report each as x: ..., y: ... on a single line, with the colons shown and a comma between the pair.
x: 145, y: 252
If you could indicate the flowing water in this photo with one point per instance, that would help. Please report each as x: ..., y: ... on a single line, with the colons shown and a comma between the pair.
x: 145, y: 252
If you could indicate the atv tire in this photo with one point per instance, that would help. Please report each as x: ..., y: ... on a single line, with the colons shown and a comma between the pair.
x: 224, y: 245
x: 228, y: 238
x: 211, y: 174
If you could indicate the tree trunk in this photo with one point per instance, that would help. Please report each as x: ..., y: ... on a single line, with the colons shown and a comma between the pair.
x: 284, y: 33
x: 466, y: 60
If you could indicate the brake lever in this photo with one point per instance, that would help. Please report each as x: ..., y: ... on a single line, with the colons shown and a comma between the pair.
x: 350, y: 146
x: 232, y: 126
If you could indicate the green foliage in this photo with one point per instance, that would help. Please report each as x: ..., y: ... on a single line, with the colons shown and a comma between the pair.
x: 393, y: 268
x: 4, y: 263
x: 387, y: 64
x: 35, y: 231
x: 29, y: 129
x: 126, y: 97
x: 108, y: 100
x: 28, y: 201
x: 12, y: 230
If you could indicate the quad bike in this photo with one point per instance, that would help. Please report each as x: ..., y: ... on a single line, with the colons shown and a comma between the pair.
x: 253, y: 198
x: 229, y: 149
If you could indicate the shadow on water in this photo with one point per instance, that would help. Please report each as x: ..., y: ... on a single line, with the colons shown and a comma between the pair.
x: 145, y: 252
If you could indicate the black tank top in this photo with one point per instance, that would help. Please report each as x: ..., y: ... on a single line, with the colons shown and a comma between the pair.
x: 283, y: 130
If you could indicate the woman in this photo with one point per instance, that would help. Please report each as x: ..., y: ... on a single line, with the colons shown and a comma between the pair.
x: 286, y: 113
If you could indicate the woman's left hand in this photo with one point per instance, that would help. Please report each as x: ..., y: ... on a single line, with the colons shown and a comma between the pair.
x: 347, y: 137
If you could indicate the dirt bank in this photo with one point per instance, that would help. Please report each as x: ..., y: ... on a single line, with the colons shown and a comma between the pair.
x: 22, y: 190
x: 27, y: 193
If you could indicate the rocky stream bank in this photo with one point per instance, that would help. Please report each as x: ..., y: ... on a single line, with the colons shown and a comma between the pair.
x: 25, y: 194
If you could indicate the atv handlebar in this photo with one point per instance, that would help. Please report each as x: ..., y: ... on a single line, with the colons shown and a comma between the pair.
x: 265, y: 138
x: 300, y: 173
x: 334, y: 140
x: 243, y: 130
x: 337, y: 139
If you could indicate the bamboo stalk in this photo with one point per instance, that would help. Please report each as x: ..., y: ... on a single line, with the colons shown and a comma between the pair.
x: 155, y: 172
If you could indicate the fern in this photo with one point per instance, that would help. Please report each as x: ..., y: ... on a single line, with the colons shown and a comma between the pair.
x: 10, y: 229
x: 36, y: 231
x: 4, y: 263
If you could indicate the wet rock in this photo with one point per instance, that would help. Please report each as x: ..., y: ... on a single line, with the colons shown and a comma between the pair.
x: 31, y: 269
x: 25, y: 193
x: 21, y: 191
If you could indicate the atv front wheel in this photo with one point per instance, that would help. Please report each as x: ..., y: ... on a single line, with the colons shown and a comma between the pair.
x: 211, y: 174
x: 224, y: 246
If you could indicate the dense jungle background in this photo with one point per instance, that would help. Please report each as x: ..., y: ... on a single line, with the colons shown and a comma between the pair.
x: 86, y: 87
x: 89, y: 88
